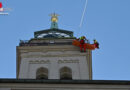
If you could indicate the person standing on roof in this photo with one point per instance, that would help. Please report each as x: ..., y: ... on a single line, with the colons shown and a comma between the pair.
x: 96, y: 43
x: 82, y: 43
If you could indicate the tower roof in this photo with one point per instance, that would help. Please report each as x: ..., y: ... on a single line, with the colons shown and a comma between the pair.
x: 54, y: 31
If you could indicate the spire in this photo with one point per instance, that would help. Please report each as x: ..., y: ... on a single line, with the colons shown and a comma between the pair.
x: 54, y: 20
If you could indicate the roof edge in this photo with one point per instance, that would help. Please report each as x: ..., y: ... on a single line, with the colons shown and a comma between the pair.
x: 55, y: 81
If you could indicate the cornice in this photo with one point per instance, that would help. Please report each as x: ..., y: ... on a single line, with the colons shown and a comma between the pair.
x: 61, y: 55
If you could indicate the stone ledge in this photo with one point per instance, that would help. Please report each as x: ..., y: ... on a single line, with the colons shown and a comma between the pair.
x: 54, y: 81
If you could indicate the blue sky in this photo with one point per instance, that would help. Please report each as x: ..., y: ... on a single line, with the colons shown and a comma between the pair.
x: 108, y: 21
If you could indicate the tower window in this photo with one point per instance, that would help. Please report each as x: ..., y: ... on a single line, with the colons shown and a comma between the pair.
x: 65, y: 73
x: 42, y: 73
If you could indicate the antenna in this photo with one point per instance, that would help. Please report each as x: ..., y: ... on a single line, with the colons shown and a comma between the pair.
x: 81, y: 22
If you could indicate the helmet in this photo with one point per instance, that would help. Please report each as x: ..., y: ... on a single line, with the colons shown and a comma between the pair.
x: 95, y: 40
x: 83, y: 37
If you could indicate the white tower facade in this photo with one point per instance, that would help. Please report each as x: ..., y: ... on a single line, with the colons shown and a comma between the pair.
x: 53, y: 61
x: 51, y: 55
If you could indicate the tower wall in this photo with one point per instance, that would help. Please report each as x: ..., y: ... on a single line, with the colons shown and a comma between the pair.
x: 53, y: 57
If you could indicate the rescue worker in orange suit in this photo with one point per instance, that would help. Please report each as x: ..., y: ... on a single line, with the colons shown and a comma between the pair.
x: 96, y: 43
x: 82, y: 43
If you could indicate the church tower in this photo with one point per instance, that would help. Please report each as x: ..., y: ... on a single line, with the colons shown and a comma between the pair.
x: 51, y: 55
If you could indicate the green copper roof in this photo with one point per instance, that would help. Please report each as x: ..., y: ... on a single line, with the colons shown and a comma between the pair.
x: 53, y: 33
x: 54, y: 25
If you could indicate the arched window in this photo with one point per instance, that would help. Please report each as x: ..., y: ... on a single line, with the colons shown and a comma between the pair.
x: 65, y: 73
x: 42, y: 73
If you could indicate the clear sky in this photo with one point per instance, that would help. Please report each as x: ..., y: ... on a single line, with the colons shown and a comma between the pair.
x: 108, y: 21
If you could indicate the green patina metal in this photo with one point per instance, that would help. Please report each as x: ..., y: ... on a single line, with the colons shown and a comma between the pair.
x: 54, y: 25
x: 53, y: 32
x: 54, y: 20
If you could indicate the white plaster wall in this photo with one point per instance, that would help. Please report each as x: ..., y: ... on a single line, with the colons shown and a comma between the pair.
x: 23, y: 68
x: 79, y: 70
x: 83, y: 65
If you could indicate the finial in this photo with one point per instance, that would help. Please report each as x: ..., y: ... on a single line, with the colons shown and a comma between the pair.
x: 54, y: 17
x: 54, y: 20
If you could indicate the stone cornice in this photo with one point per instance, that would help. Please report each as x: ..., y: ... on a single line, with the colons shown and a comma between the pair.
x: 53, y: 47
x: 61, y: 55
x: 56, y: 81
